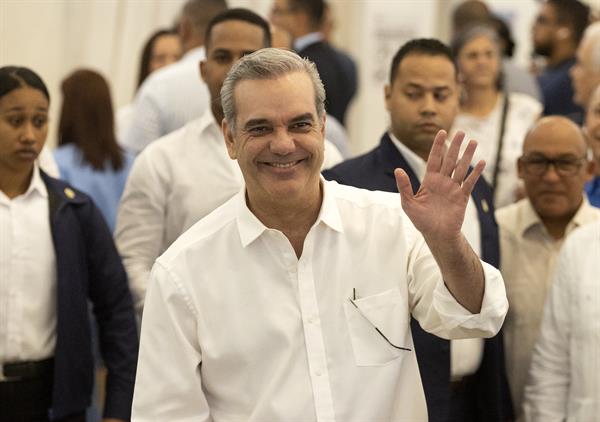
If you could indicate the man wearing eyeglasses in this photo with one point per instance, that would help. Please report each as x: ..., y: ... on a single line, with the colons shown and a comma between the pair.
x: 554, y: 168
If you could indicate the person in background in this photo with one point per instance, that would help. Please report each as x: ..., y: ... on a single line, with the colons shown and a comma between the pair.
x: 463, y: 380
x: 174, y: 95
x: 185, y: 175
x: 303, y: 19
x: 467, y: 14
x: 56, y: 254
x: 585, y: 73
x: 556, y: 34
x: 162, y: 48
x: 554, y: 169
x: 334, y: 131
x: 564, y: 380
x: 514, y: 78
x: 592, y: 133
x: 88, y: 155
x: 499, y: 119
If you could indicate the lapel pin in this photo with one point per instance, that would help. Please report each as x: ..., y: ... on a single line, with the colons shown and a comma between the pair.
x: 69, y: 193
x: 485, y: 206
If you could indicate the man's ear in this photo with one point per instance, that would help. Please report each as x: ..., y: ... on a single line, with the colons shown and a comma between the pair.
x: 590, y: 170
x: 520, y: 169
x: 387, y: 94
x: 323, y: 122
x: 229, y: 139
x: 203, y: 70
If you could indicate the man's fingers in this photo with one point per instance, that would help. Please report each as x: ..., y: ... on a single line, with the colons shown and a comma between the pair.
x: 470, y: 181
x: 404, y: 185
x: 449, y: 162
x: 436, y: 155
x: 465, y: 161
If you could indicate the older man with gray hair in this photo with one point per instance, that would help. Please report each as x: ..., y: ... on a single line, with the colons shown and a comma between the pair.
x: 292, y: 301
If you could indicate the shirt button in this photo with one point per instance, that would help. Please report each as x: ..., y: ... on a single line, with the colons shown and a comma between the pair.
x: 318, y: 373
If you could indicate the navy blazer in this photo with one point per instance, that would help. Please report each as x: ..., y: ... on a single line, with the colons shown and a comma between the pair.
x: 375, y: 171
x: 338, y: 73
x: 88, y: 267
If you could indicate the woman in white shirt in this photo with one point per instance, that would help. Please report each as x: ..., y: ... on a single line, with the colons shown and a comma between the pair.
x: 498, y: 120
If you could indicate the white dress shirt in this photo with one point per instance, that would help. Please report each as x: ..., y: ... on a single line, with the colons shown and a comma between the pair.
x: 27, y: 276
x: 167, y: 100
x: 527, y: 257
x: 523, y: 111
x: 174, y: 183
x: 564, y: 382
x: 237, y: 328
x: 465, y: 354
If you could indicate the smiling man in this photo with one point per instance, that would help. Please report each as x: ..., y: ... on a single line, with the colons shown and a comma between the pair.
x: 554, y: 169
x: 422, y: 98
x: 292, y: 301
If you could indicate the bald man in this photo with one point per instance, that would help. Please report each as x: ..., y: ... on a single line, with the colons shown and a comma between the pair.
x: 554, y: 170
x: 592, y: 132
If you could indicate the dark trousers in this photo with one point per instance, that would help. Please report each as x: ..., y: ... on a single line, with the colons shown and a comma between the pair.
x: 29, y: 401
x: 463, y: 401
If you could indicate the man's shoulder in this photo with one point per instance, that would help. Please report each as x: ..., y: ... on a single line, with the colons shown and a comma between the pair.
x: 364, y: 198
x: 524, y: 103
x: 354, y: 167
x: 173, y: 141
x: 200, y: 237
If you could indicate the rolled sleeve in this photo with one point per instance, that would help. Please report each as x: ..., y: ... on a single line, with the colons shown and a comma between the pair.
x: 458, y: 320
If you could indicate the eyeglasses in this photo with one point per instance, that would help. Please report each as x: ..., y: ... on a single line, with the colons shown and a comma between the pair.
x: 352, y: 299
x: 538, y: 165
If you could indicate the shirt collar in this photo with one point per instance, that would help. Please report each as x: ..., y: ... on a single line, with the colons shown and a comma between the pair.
x: 304, y: 41
x: 250, y: 227
x: 37, y: 184
x: 418, y: 165
x: 207, y: 122
x: 584, y: 215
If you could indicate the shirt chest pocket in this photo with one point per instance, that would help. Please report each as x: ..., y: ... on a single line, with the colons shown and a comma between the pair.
x: 378, y: 327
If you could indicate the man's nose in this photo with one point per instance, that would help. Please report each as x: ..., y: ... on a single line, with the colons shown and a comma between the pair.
x: 428, y: 105
x: 551, y: 174
x: 283, y: 142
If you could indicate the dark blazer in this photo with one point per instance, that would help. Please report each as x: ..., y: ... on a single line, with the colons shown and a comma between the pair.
x: 375, y: 171
x: 338, y: 73
x: 89, y: 268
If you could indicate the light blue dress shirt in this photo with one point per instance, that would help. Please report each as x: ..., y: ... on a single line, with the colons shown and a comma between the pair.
x: 104, y: 186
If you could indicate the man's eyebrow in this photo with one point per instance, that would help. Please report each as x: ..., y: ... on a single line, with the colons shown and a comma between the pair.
x: 256, y: 122
x: 302, y: 118
x: 419, y: 86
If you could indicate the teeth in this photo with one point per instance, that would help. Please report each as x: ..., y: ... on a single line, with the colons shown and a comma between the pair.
x: 283, y: 165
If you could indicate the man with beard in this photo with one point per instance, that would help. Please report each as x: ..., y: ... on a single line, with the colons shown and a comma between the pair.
x: 463, y: 379
x: 556, y: 33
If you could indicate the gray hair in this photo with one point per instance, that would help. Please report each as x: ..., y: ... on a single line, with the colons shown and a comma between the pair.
x: 268, y: 63
x: 464, y: 37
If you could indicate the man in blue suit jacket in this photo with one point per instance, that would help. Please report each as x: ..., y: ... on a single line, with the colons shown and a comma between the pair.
x: 468, y: 381
x: 303, y: 19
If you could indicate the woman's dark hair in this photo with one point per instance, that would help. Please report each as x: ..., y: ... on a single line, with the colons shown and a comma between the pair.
x: 14, y: 77
x: 87, y: 119
x: 147, y: 53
